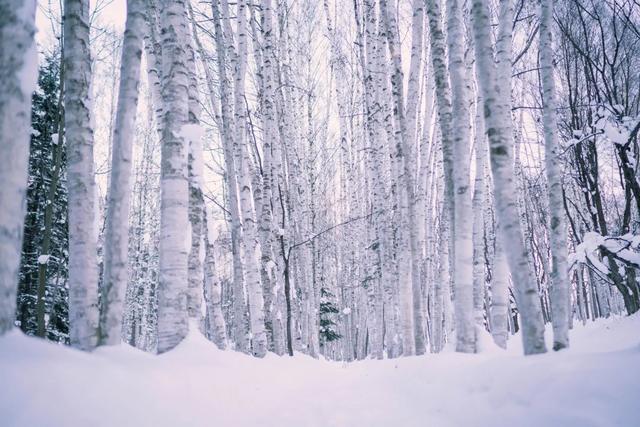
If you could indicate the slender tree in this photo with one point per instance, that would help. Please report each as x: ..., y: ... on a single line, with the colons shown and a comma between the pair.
x: 444, y: 108
x: 273, y: 281
x: 213, y: 293
x: 54, y: 194
x: 252, y: 251
x: 497, y: 119
x: 194, y: 133
x: 462, y: 225
x: 411, y: 114
x: 83, y: 266
x: 500, y: 306
x: 229, y: 147
x: 115, y: 246
x: 557, y: 227
x: 479, y: 208
x: 407, y: 233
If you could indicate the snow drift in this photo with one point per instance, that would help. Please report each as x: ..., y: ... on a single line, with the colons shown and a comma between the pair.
x: 595, y: 383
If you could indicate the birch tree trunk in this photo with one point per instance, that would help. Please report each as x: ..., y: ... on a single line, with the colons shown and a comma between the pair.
x: 443, y: 92
x: 19, y: 70
x: 497, y: 121
x: 213, y: 293
x: 413, y: 88
x: 479, y: 200
x: 228, y: 124
x: 83, y: 266
x: 252, y: 252
x: 193, y: 132
x: 408, y: 236
x: 269, y: 181
x: 443, y: 98
x: 560, y: 299
x: 499, y: 309
x: 440, y: 318
x: 117, y: 231
x: 153, y: 56
x: 462, y: 229
x: 172, y: 287
x: 375, y: 157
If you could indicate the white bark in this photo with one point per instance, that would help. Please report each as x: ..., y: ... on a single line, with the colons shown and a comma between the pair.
x: 272, y: 281
x: 479, y: 201
x: 213, y: 293
x: 252, y: 252
x: 194, y: 133
x: 117, y: 218
x: 226, y: 133
x: 462, y: 229
x: 416, y: 223
x: 83, y: 267
x: 19, y: 70
x: 408, y: 276
x: 499, y: 309
x: 497, y: 121
x: 391, y: 166
x: 215, y: 325
x: 441, y: 317
x: 346, y: 256
x: 172, y: 286
x: 443, y: 98
x: 375, y: 160
x: 153, y: 56
x: 560, y: 299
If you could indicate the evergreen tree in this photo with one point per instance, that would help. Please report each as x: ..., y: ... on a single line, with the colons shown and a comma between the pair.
x: 328, y: 310
x: 43, y: 270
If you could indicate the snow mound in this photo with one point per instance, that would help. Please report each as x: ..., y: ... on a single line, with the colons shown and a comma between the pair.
x: 595, y: 383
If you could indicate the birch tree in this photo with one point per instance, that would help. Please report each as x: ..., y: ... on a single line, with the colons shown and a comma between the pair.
x: 269, y: 181
x: 252, y: 252
x: 445, y: 116
x: 479, y: 202
x: 228, y: 147
x: 497, y: 120
x: 462, y: 226
x: 153, y: 59
x: 83, y: 267
x: 407, y: 233
x: 499, y: 311
x: 375, y: 159
x: 116, y: 234
x: 193, y: 133
x: 213, y: 293
x: 411, y: 114
x: 19, y: 71
x: 172, y: 286
x: 557, y: 227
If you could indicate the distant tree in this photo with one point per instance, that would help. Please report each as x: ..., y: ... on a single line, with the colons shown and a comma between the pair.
x: 328, y: 312
x: 119, y: 198
x: 42, y: 292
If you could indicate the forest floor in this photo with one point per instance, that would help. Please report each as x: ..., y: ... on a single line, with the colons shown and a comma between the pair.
x: 595, y: 383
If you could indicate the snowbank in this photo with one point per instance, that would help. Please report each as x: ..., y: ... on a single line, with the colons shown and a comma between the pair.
x: 596, y: 383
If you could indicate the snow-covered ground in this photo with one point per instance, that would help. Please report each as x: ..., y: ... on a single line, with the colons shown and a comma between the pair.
x: 595, y: 383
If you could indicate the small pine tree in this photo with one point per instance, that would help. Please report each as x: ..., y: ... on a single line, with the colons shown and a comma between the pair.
x: 328, y: 310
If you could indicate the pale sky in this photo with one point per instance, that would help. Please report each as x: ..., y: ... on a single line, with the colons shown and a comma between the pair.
x: 112, y: 12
